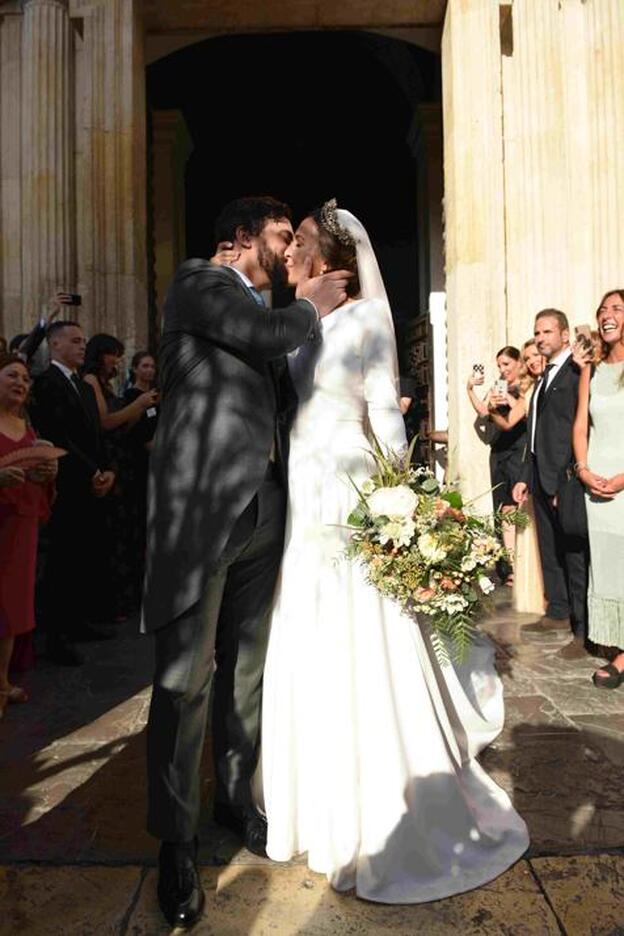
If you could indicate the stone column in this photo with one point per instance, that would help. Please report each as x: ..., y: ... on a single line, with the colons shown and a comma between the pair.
x: 474, y: 222
x: 111, y: 168
x: 10, y: 171
x: 47, y: 154
x: 563, y: 102
x: 171, y: 146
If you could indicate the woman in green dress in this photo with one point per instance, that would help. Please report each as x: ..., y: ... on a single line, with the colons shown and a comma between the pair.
x: 599, y: 453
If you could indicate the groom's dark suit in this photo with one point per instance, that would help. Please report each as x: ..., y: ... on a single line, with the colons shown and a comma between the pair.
x: 215, y: 532
x: 564, y: 558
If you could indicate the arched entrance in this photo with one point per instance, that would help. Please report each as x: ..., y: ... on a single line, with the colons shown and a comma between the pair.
x: 307, y: 116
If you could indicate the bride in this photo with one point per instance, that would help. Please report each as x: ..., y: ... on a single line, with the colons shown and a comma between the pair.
x: 369, y: 745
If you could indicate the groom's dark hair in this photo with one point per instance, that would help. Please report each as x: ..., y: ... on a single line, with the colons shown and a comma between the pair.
x: 250, y: 213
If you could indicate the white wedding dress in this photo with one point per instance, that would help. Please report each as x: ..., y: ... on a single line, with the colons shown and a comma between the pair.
x: 368, y: 743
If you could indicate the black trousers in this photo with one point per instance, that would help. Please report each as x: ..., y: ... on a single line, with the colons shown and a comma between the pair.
x: 564, y: 565
x: 229, y: 628
x: 72, y: 565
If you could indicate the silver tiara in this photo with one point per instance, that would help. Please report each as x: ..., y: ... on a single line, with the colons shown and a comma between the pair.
x: 329, y: 220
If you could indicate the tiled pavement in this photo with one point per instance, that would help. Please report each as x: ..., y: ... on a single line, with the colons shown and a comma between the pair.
x: 74, y: 858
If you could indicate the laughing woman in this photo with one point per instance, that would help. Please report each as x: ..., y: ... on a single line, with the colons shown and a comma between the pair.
x: 600, y: 466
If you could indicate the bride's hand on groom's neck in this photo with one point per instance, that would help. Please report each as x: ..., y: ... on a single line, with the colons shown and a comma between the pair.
x: 327, y: 291
x: 225, y: 254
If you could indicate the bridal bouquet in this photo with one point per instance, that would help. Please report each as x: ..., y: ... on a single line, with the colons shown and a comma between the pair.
x: 422, y: 548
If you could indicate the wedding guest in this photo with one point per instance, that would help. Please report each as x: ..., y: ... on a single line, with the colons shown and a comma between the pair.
x: 32, y: 347
x: 439, y: 438
x: 600, y: 467
x: 407, y: 392
x: 103, y: 358
x: 528, y: 587
x: 140, y: 441
x: 507, y: 444
x: 16, y: 342
x: 25, y: 500
x: 64, y: 410
x: 548, y: 459
x: 597, y: 347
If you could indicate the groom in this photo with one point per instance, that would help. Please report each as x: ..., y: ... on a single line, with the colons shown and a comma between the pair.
x: 217, y: 503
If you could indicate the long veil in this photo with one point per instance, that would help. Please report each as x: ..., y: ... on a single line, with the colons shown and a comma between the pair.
x: 371, y: 281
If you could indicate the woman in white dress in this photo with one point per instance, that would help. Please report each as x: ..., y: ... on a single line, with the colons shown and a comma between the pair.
x: 369, y: 744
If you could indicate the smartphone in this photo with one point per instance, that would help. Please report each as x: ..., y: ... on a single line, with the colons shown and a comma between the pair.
x: 70, y: 299
x: 583, y: 334
x: 500, y: 387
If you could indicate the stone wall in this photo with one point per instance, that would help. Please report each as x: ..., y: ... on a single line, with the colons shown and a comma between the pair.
x: 72, y: 163
x: 534, y: 180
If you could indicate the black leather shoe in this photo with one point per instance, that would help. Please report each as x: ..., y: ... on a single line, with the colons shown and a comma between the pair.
x: 63, y: 653
x: 250, y: 827
x: 180, y: 894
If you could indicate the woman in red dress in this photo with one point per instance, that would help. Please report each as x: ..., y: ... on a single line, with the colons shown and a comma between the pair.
x: 25, y: 500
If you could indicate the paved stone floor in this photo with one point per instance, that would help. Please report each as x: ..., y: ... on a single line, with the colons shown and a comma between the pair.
x: 74, y: 858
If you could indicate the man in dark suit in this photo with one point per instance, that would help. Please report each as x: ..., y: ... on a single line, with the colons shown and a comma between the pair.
x: 64, y: 411
x: 549, y: 456
x: 217, y: 503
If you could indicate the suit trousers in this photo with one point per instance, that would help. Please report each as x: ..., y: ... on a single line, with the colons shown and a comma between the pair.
x: 225, y: 634
x: 564, y: 565
x: 72, y: 565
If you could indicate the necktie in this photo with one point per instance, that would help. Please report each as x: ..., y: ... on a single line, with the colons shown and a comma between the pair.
x: 541, y: 399
x: 76, y: 381
x: 257, y: 297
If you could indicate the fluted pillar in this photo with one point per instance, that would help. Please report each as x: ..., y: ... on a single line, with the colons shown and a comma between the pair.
x: 474, y: 206
x: 47, y: 154
x: 563, y: 105
x: 171, y: 146
x: 10, y: 172
x: 111, y: 168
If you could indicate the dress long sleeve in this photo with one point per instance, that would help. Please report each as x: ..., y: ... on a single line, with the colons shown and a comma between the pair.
x: 380, y: 370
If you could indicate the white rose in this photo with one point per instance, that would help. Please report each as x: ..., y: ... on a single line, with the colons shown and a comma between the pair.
x: 399, y: 532
x: 393, y: 502
x: 468, y: 563
x: 452, y: 602
x: 430, y: 549
x: 486, y: 585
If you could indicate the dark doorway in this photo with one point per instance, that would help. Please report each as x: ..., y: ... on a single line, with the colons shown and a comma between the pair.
x: 304, y: 117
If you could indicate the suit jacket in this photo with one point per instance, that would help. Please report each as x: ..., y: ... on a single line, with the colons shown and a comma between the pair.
x: 72, y: 421
x: 553, y: 435
x: 222, y: 376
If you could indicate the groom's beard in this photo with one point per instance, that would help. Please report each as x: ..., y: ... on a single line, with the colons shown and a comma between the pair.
x: 273, y: 265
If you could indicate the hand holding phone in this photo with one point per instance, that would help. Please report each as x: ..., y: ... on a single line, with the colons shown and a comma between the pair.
x: 583, y: 347
x: 478, y: 374
x: 583, y: 334
x: 70, y: 299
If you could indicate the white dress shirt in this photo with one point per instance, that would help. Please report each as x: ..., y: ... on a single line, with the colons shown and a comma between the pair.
x: 250, y: 285
x: 557, y: 363
x: 243, y: 276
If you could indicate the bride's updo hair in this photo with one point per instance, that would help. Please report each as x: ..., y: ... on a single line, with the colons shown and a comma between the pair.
x: 337, y: 254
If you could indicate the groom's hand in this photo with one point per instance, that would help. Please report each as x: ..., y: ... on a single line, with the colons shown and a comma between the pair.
x: 327, y: 292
